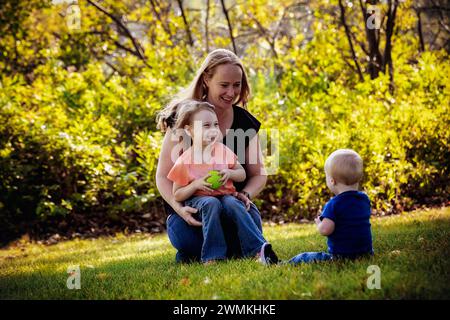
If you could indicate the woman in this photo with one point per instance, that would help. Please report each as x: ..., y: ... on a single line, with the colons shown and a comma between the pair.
x: 221, y: 81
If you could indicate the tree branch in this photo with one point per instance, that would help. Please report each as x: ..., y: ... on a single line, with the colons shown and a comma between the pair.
x: 186, y: 24
x: 207, y: 25
x: 225, y: 12
x: 139, y: 52
x: 349, y: 38
x: 361, y: 44
x: 158, y: 16
x: 434, y: 7
x: 263, y: 32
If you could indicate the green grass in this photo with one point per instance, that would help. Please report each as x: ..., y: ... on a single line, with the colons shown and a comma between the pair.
x: 412, y: 251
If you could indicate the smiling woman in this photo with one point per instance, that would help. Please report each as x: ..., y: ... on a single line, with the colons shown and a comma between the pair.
x: 222, y: 82
x: 223, y: 86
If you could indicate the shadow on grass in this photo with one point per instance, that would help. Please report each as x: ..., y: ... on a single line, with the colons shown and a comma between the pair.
x: 413, y: 254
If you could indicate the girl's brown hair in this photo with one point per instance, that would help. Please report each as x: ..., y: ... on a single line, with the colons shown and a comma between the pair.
x: 187, y: 108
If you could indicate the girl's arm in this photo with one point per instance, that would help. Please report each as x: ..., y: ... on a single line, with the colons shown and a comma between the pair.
x: 165, y: 186
x: 183, y: 193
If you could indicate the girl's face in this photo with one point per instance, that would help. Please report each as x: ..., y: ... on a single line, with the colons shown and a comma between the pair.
x: 225, y: 86
x: 204, y: 128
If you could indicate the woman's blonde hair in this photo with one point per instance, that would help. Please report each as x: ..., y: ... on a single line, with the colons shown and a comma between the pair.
x: 187, y: 108
x: 198, y: 90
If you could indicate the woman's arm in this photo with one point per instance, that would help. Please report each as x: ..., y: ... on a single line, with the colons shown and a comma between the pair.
x: 256, y: 173
x: 164, y: 185
x: 237, y: 173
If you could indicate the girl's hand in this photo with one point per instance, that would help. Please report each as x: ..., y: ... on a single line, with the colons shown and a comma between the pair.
x: 226, y: 174
x: 202, y: 184
x: 244, y: 199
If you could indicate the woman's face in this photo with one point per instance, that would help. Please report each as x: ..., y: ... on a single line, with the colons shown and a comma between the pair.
x: 225, y: 86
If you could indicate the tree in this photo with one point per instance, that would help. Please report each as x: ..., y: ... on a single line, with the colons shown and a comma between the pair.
x: 379, y: 58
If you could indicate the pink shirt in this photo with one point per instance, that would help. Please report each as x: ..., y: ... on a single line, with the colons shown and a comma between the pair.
x: 184, y: 171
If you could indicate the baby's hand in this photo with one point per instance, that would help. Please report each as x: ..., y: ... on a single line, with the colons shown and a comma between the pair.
x: 317, y: 220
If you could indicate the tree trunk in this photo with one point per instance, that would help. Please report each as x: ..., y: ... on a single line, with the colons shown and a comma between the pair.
x: 420, y: 31
x: 349, y: 38
x: 392, y: 11
x: 375, y: 57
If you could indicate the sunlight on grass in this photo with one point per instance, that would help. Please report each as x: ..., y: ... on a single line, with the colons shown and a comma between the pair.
x: 411, y: 250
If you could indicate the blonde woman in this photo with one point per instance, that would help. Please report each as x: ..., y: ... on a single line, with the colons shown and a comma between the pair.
x: 222, y: 82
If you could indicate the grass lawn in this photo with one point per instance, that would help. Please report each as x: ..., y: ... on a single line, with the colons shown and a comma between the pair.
x: 412, y: 251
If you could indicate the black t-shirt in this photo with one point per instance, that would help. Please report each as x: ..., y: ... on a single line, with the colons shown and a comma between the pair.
x: 244, y: 127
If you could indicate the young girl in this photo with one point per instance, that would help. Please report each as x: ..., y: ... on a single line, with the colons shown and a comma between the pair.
x: 189, y: 175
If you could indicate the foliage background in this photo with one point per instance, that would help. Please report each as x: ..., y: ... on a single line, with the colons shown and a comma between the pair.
x: 78, y: 138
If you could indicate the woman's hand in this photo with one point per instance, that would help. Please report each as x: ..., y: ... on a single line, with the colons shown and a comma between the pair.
x: 186, y: 213
x: 244, y: 199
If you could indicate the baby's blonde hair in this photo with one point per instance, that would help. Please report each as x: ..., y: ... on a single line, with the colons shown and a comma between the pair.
x: 186, y: 110
x: 197, y: 89
x: 345, y: 166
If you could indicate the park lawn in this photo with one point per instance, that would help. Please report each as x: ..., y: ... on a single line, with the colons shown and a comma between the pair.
x: 412, y: 252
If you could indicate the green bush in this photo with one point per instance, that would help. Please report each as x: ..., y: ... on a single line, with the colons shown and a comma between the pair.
x: 401, y: 138
x: 62, y: 153
x: 78, y: 137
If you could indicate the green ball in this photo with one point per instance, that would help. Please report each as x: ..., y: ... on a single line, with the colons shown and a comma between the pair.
x: 214, y: 179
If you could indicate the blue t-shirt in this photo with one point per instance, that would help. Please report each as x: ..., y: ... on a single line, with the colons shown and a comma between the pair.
x: 350, y: 212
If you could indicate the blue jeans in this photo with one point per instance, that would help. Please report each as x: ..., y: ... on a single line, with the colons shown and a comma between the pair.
x: 210, y: 209
x: 308, y: 257
x: 188, y: 240
x: 249, y: 231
